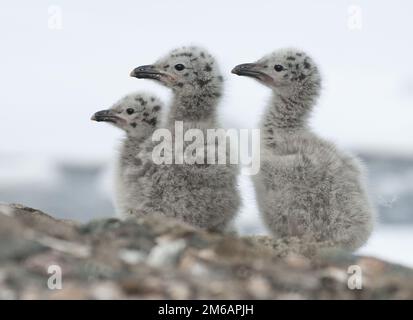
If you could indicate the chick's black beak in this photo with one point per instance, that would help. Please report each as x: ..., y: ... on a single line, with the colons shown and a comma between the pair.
x: 146, y: 72
x: 247, y: 69
x: 104, y: 115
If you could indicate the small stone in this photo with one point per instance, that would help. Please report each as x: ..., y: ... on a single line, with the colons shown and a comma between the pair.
x: 166, y: 254
x: 132, y: 256
x: 106, y: 291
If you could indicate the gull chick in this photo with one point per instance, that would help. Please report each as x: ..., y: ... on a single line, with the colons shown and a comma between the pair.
x: 306, y: 188
x: 203, y: 194
x: 138, y: 115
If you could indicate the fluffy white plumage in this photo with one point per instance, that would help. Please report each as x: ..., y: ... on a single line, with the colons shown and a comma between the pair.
x: 306, y: 188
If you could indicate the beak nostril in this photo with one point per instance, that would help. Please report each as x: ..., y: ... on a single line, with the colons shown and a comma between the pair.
x: 145, y: 68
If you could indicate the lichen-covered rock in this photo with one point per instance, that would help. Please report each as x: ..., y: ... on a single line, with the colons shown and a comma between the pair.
x: 156, y: 257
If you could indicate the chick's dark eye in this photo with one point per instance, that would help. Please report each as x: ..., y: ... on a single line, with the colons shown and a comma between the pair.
x: 179, y: 67
x: 278, y: 68
x: 130, y: 111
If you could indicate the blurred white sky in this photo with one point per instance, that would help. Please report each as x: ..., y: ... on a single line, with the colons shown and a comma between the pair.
x: 53, y: 80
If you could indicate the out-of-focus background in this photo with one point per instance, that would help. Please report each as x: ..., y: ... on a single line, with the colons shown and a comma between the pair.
x: 63, y: 60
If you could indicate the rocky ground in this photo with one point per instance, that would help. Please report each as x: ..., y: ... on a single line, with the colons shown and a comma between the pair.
x: 157, y: 258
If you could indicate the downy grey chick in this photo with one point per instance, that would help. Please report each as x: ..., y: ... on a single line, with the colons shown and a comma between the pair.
x: 306, y: 188
x: 138, y: 115
x: 202, y: 194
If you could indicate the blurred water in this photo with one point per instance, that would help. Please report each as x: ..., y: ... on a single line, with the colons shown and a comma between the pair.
x: 391, y: 242
x: 66, y: 189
